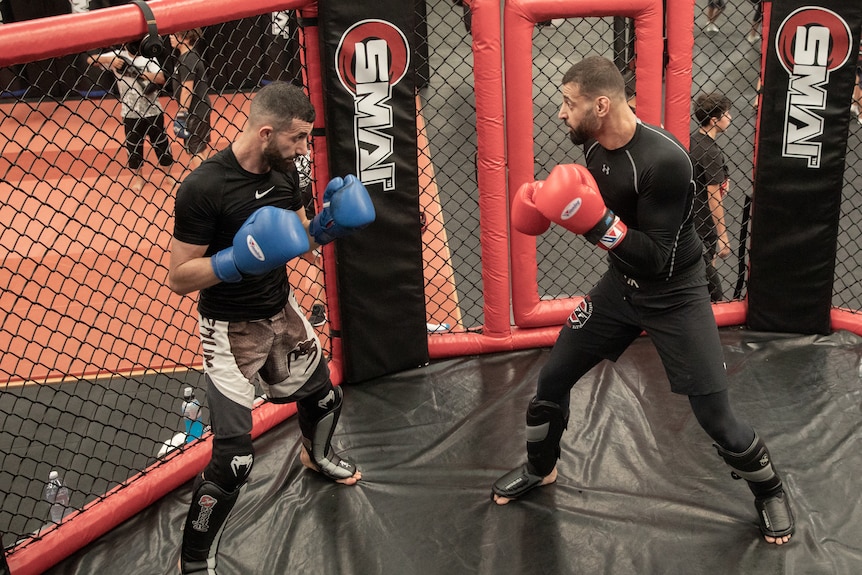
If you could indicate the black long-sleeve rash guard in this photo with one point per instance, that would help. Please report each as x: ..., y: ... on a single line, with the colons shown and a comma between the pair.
x: 648, y: 184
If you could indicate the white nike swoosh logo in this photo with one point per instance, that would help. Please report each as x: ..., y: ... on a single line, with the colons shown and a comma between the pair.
x: 258, y: 195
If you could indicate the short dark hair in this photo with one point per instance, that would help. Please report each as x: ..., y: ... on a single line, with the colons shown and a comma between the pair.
x: 712, y: 105
x: 192, y: 35
x: 596, y: 76
x: 279, y: 103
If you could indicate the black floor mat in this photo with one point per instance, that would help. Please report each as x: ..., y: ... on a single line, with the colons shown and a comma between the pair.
x: 640, y: 489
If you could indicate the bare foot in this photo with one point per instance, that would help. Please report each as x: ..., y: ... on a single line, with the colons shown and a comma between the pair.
x: 548, y: 479
x: 777, y: 540
x: 169, y: 182
x: 137, y: 184
x: 305, y: 458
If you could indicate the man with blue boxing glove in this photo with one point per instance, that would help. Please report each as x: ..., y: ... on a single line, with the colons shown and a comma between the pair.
x: 346, y: 208
x: 272, y: 236
x: 239, y: 218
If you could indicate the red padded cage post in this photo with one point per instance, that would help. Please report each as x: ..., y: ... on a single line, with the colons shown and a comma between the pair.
x: 520, y: 18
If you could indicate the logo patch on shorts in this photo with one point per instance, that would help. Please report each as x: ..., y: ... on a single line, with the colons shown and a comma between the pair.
x: 305, y: 353
x: 579, y: 316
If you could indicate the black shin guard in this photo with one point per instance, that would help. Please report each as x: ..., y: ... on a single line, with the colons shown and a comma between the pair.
x: 546, y: 422
x: 318, y: 415
x: 207, y: 515
x: 755, y: 466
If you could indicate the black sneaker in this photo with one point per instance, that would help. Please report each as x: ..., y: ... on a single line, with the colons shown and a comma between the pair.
x: 318, y: 315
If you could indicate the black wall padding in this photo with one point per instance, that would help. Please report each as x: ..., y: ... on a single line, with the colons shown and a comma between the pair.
x: 811, y: 58
x: 380, y: 279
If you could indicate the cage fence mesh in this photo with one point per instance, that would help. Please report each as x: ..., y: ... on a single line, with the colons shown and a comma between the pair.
x: 98, y: 359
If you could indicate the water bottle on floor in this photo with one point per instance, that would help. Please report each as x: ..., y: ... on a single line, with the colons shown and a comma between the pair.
x: 192, y: 415
x: 57, y: 495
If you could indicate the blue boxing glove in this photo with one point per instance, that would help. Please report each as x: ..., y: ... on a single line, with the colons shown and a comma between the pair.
x: 269, y: 238
x: 347, y: 207
x: 181, y: 129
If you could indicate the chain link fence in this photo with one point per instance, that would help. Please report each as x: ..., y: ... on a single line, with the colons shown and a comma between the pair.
x: 98, y: 359
x: 727, y: 60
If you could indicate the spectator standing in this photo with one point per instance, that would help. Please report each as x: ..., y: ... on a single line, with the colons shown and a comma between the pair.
x: 712, y: 112
x: 311, y: 283
x: 139, y: 80
x: 714, y: 8
x: 193, y: 123
x: 753, y: 35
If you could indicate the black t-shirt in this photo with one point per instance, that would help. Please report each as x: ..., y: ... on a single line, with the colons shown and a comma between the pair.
x: 190, y: 67
x: 212, y: 204
x: 710, y: 169
x: 648, y: 184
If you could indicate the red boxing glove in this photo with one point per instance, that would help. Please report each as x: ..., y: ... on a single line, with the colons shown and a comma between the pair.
x: 525, y: 217
x: 571, y: 198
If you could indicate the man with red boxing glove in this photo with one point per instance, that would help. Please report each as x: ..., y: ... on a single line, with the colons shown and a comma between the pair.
x: 633, y: 199
x: 239, y: 218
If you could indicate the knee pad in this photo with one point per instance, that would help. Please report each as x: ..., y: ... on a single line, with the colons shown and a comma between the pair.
x: 209, y: 510
x: 546, y: 422
x: 231, y: 462
x: 318, y: 415
x: 755, y: 466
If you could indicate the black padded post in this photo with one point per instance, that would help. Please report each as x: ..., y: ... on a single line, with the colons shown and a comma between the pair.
x: 370, y: 107
x: 811, y: 56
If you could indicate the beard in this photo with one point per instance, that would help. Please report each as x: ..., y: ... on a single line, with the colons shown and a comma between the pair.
x: 578, y: 136
x: 585, y: 130
x: 276, y: 161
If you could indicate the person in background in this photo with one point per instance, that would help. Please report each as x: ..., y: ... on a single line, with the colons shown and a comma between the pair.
x: 311, y: 283
x: 4, y: 566
x: 712, y: 112
x: 139, y: 80
x: 631, y: 88
x: 856, y: 105
x: 753, y: 35
x: 714, y: 8
x: 191, y: 91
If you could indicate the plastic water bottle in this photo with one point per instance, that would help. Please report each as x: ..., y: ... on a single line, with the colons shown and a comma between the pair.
x: 57, y: 495
x: 437, y: 327
x: 192, y: 415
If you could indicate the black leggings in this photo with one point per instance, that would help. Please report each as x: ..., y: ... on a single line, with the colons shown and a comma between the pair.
x: 716, y: 417
x: 713, y: 411
x: 152, y: 127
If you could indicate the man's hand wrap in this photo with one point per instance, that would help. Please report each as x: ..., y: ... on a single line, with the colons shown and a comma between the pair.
x: 571, y: 198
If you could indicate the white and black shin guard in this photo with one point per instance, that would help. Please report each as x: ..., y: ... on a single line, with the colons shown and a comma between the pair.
x: 755, y: 466
x: 208, y: 513
x: 317, y: 420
